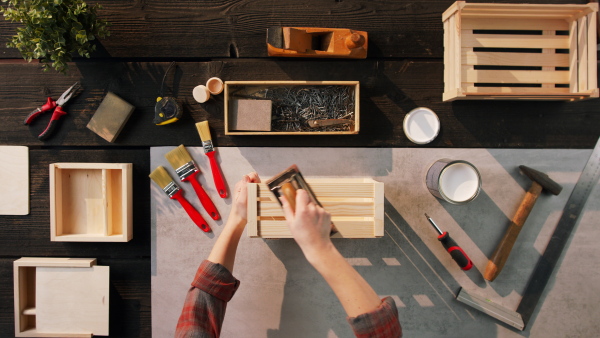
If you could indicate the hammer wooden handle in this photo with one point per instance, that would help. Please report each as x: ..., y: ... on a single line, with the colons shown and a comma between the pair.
x: 500, y: 255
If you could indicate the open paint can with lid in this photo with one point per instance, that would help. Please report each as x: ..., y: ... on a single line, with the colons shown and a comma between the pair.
x: 454, y: 181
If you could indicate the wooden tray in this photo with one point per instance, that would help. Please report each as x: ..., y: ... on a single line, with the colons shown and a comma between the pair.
x: 60, y: 297
x: 261, y: 84
x: 91, y: 202
x: 355, y: 204
x: 520, y: 51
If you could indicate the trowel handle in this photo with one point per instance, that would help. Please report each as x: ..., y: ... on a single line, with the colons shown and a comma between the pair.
x: 289, y: 191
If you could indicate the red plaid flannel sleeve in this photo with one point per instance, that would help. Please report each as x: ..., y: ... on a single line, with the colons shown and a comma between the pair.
x: 206, y: 301
x: 381, y: 322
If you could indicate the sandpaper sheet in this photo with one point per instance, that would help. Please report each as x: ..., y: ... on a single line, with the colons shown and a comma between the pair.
x: 14, y: 171
x: 281, y: 295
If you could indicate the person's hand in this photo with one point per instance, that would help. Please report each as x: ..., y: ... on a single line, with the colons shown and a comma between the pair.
x: 239, y: 208
x: 310, y: 224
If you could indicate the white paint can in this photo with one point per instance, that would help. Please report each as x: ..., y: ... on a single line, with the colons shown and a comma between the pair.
x: 454, y: 181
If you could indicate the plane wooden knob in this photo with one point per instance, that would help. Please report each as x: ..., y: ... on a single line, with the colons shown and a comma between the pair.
x: 354, y: 40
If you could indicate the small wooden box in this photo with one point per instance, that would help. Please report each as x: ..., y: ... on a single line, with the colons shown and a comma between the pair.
x: 520, y: 51
x: 60, y: 297
x: 91, y: 202
x: 229, y: 85
x: 355, y: 204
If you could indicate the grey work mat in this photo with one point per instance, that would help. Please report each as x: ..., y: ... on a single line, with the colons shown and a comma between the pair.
x: 281, y: 295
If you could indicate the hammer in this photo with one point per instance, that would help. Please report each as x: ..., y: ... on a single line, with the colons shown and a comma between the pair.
x: 500, y: 255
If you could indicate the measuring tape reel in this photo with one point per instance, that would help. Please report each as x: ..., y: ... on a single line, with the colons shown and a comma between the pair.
x: 167, y: 109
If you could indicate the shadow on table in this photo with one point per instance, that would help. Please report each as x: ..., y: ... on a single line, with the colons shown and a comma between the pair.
x: 398, y: 265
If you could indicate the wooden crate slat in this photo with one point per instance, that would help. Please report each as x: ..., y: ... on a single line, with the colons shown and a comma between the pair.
x: 514, y: 24
x: 567, y: 9
x: 592, y: 52
x: 513, y: 41
x: 355, y: 228
x: 517, y: 90
x: 470, y: 57
x: 362, y: 209
x: 515, y: 76
x: 325, y: 190
x: 582, y: 54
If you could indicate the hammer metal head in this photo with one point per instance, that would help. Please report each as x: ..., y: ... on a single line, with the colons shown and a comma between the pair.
x: 542, y: 179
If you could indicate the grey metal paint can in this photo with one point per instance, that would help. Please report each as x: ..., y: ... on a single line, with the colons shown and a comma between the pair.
x: 454, y: 181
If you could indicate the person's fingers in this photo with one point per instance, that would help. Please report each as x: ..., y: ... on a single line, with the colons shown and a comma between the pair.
x: 253, y: 177
x: 287, y: 210
x: 302, y: 200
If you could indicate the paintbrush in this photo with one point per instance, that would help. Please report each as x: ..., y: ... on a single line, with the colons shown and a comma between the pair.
x: 209, y: 150
x: 161, y: 177
x: 187, y: 170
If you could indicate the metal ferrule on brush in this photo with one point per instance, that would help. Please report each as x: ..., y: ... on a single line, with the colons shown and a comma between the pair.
x: 171, y: 189
x: 186, y: 170
x: 208, y: 146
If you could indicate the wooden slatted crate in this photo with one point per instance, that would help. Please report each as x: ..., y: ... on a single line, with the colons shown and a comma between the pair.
x: 355, y: 204
x: 520, y: 51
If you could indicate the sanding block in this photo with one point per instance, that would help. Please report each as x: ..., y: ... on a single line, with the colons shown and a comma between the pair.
x: 287, y: 182
x: 110, y: 117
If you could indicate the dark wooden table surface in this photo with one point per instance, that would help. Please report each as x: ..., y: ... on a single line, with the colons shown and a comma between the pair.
x: 404, y: 70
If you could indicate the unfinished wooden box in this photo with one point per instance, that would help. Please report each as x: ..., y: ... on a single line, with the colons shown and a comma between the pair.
x: 60, y: 297
x: 520, y: 51
x: 91, y: 202
x: 355, y: 204
x: 258, y: 85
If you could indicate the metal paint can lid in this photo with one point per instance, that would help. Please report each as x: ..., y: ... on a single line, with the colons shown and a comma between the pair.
x: 421, y: 125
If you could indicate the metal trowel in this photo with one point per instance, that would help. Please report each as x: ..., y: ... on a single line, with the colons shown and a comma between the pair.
x: 287, y: 182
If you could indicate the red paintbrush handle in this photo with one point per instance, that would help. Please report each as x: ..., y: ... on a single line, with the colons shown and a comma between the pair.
x: 219, y: 182
x: 207, y: 203
x: 192, y: 212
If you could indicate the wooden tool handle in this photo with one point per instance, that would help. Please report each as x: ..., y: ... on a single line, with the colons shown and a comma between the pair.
x: 288, y: 190
x: 500, y: 255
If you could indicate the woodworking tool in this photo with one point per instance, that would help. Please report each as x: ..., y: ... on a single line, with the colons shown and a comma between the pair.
x: 167, y: 109
x: 58, y: 111
x: 161, y: 177
x: 317, y: 42
x: 210, y: 152
x: 457, y: 253
x: 540, y: 182
x: 546, y: 264
x: 187, y: 170
x: 287, y: 182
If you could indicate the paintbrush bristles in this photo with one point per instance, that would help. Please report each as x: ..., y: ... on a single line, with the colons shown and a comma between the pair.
x: 204, y: 131
x: 178, y: 157
x: 161, y: 177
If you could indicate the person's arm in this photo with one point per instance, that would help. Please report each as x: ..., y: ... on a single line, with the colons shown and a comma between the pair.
x: 223, y: 252
x: 311, y: 225
x: 214, y: 285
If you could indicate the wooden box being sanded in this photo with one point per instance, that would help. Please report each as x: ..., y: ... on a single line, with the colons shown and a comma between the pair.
x: 91, y: 202
x: 520, y: 51
x: 355, y: 204
x: 348, y: 119
x: 60, y: 297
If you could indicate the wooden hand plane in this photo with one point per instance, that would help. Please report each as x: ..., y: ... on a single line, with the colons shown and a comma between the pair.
x: 317, y: 42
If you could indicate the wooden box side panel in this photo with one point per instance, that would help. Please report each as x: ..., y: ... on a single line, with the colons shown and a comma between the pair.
x: 72, y: 300
x: 252, y: 225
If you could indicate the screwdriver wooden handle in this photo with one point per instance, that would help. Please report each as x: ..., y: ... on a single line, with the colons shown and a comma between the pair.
x: 500, y: 255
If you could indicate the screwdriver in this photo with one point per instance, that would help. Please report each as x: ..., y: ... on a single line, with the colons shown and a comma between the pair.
x: 453, y: 249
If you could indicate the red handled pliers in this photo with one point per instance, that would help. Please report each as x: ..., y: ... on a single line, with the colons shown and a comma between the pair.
x: 58, y: 111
